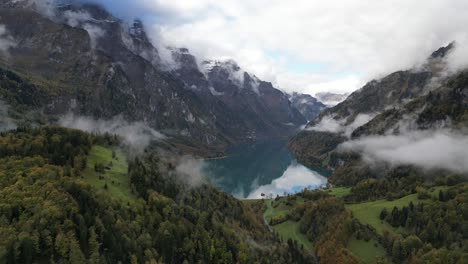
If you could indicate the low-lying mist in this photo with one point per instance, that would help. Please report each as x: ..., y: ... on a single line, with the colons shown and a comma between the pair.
x: 329, y: 124
x: 136, y: 134
x: 6, y: 123
x: 190, y: 171
x: 437, y: 149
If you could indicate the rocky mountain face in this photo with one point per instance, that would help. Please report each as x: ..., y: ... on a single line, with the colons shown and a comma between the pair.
x: 331, y: 99
x: 80, y: 59
x: 419, y: 99
x: 393, y: 90
x: 252, y: 107
x: 309, y: 106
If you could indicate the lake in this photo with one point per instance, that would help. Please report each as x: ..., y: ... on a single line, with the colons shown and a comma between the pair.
x: 261, y: 167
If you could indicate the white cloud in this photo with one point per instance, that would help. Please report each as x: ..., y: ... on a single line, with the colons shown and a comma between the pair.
x: 294, y: 179
x: 315, y: 83
x: 136, y: 134
x: 6, y: 41
x: 83, y: 19
x: 74, y: 19
x: 349, y: 41
x: 329, y: 124
x: 190, y: 170
x: 367, y: 38
x: 6, y: 123
x: 94, y: 32
x: 440, y: 149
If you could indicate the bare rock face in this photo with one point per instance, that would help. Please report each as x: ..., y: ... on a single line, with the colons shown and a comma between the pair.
x: 83, y: 60
x: 309, y: 106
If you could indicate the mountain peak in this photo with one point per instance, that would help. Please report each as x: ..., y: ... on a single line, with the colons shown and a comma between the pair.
x: 307, y: 105
x: 443, y: 51
x: 229, y: 64
x: 137, y: 30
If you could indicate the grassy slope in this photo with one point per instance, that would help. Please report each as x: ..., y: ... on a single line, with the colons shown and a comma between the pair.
x: 367, y: 251
x: 288, y: 229
x: 368, y: 212
x: 340, y: 191
x: 116, y: 178
x: 276, y: 209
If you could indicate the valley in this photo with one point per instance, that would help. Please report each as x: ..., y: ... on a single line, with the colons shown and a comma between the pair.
x: 146, y: 132
x: 366, y: 245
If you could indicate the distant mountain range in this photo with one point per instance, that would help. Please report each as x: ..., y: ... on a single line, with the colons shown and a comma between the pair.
x: 331, y: 99
x: 309, y: 106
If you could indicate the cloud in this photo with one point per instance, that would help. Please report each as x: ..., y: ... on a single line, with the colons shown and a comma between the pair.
x: 458, y: 58
x: 94, y: 33
x: 329, y: 124
x: 337, y: 44
x: 84, y: 20
x: 75, y: 19
x: 440, y: 149
x: 294, y: 179
x: 136, y: 134
x: 46, y: 7
x: 362, y: 39
x: 190, y: 170
x: 235, y: 74
x: 6, y: 41
x: 6, y: 123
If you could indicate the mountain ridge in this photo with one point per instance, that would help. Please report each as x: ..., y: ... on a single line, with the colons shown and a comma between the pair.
x: 93, y: 64
x: 415, y: 100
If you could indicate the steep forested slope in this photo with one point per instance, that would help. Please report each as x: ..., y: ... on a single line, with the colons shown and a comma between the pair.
x: 403, y: 102
x: 50, y: 213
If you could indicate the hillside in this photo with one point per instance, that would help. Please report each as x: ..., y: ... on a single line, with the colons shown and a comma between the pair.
x: 393, y: 146
x: 117, y: 141
x: 67, y: 197
x: 400, y: 104
x: 81, y: 60
x: 343, y: 225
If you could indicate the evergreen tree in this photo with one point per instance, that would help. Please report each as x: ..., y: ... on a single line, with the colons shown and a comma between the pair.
x: 93, y: 246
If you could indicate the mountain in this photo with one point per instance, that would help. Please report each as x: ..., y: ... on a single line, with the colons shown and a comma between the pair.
x: 79, y: 59
x: 396, y: 154
x: 331, y: 99
x: 309, y: 106
x: 404, y: 102
x: 253, y: 108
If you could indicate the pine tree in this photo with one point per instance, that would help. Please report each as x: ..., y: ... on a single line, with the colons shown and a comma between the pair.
x: 76, y: 256
x: 383, y: 214
x: 93, y: 246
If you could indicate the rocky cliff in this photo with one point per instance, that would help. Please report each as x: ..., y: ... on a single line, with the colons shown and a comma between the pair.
x: 80, y: 59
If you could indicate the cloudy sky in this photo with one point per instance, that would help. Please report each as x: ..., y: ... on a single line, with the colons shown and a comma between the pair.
x: 305, y: 45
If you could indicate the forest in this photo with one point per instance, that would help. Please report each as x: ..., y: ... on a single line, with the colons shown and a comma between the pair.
x: 67, y: 196
x: 50, y: 213
x: 405, y: 218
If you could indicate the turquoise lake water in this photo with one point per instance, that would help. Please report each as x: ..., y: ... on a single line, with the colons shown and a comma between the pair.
x: 262, y: 167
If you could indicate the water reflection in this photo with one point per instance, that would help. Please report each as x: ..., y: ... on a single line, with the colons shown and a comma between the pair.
x: 294, y: 179
x: 268, y: 167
